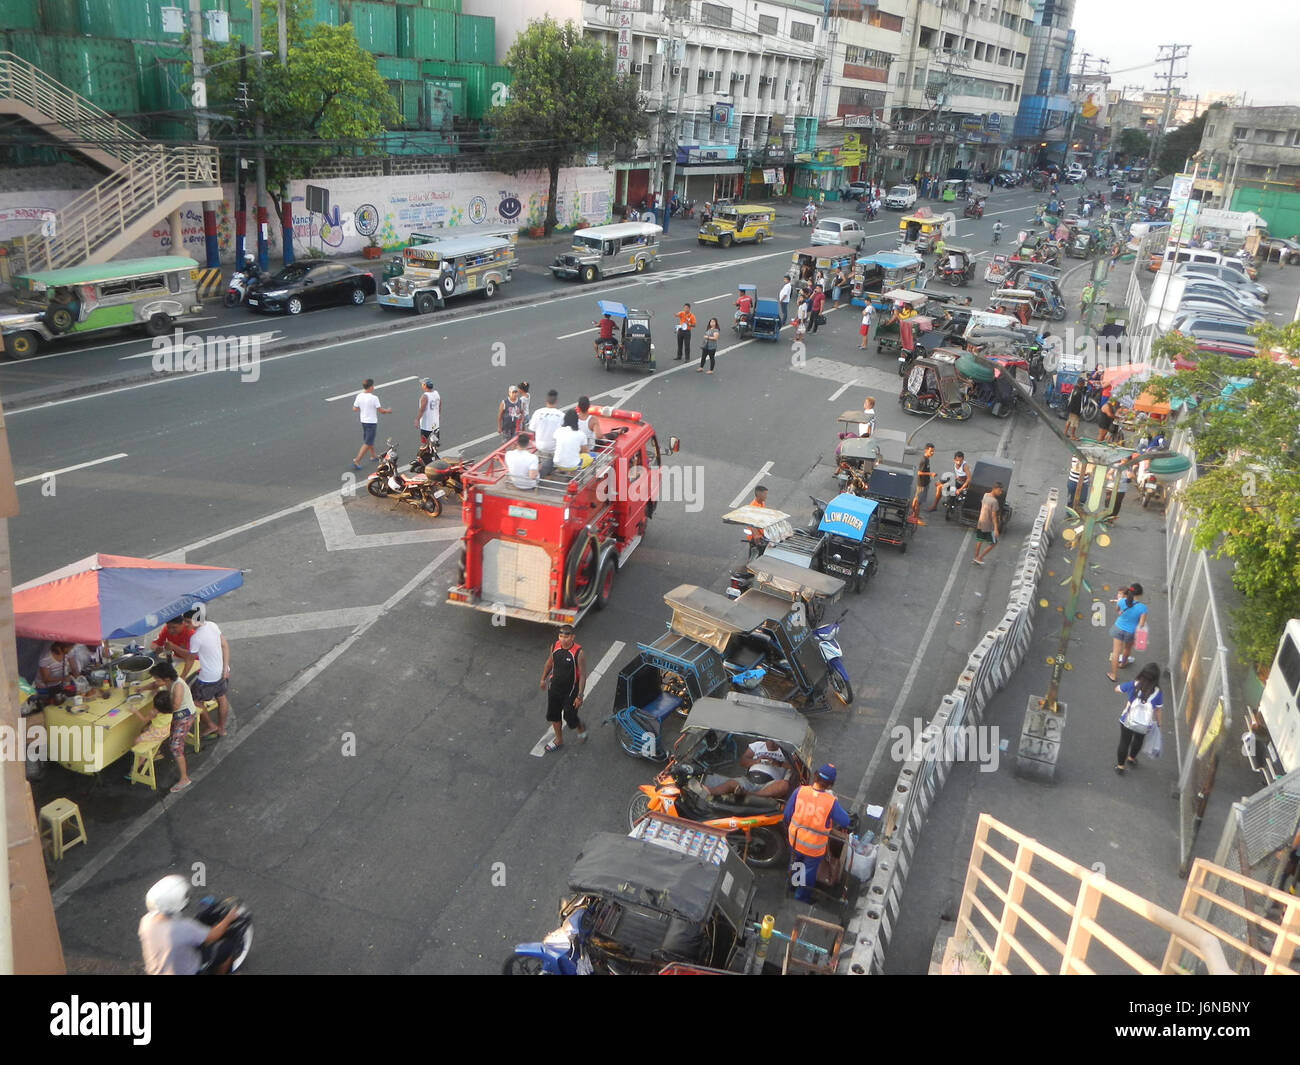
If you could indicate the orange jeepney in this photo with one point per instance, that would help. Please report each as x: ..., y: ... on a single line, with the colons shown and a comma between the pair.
x: 551, y: 553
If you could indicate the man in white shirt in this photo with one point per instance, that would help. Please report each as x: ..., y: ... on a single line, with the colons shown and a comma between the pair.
x: 767, y: 773
x: 783, y: 298
x: 428, y: 419
x: 213, y: 678
x: 367, y: 407
x: 954, y: 482
x: 521, y: 463
x: 571, y: 451
x: 543, y: 424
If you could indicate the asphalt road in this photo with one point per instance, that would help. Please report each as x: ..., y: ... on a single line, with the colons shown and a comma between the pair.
x: 377, y: 801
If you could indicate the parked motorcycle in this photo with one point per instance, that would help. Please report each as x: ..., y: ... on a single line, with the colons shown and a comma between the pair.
x: 443, y: 477
x: 387, y: 482
x: 562, y: 953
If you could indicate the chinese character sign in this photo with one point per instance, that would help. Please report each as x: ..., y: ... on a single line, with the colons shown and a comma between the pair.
x: 623, y: 52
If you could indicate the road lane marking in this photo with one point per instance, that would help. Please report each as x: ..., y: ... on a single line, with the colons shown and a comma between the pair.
x: 69, y: 469
x: 232, y: 742
x: 593, y: 678
x: 666, y: 254
x: 311, y: 621
x: 710, y: 299
x: 345, y: 395
x: 841, y: 390
x: 745, y: 493
x: 269, y: 337
x: 570, y: 336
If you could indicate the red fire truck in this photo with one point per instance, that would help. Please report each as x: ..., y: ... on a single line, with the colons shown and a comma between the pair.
x: 550, y: 553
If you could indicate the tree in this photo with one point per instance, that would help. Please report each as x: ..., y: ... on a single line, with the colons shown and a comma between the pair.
x: 327, y: 98
x: 564, y: 98
x: 1134, y: 143
x: 1181, y: 144
x: 1247, y: 497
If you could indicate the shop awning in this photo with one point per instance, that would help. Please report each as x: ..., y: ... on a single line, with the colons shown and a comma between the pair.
x: 707, y: 171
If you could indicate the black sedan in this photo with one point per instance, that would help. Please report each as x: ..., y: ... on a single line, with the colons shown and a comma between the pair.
x: 311, y: 283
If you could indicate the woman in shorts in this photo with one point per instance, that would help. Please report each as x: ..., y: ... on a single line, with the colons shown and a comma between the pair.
x: 182, y: 711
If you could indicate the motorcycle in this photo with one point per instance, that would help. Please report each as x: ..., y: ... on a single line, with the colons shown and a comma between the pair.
x: 388, y: 482
x: 868, y: 208
x: 974, y: 209
x: 809, y: 216
x: 562, y: 953
x: 241, y: 281
x: 237, y: 941
x: 837, y: 675
x: 443, y: 477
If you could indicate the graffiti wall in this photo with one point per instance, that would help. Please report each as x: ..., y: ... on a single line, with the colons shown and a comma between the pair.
x: 389, y: 209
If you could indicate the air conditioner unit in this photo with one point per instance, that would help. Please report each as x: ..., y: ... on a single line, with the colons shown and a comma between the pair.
x: 744, y: 142
x: 765, y: 79
x: 708, y: 75
x: 676, y: 71
x: 637, y: 68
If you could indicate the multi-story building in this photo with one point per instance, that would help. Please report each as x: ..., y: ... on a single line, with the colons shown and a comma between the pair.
x: 1250, y: 161
x: 1043, y: 121
x: 957, y: 87
x: 728, y: 85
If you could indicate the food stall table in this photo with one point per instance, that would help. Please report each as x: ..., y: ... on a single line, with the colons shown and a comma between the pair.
x: 101, y: 732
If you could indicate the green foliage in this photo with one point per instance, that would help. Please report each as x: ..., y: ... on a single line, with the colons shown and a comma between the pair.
x: 1180, y: 145
x: 1247, y: 497
x: 326, y: 99
x: 564, y: 99
x: 1133, y: 142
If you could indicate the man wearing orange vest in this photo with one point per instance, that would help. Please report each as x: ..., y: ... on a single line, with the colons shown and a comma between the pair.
x: 809, y: 814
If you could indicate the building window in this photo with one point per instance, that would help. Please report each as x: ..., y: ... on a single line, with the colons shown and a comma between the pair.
x: 867, y: 57
x: 801, y: 31
x: 1292, y: 137
x: 1239, y: 133
x: 677, y: 8
x: 925, y: 39
x: 715, y: 15
x: 1019, y: 62
x: 769, y: 24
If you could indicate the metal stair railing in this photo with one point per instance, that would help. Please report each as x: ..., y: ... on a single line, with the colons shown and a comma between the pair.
x: 123, y: 199
x: 91, y: 126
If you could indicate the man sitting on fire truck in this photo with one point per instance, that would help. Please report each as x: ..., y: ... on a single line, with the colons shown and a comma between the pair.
x: 571, y: 450
x: 521, y: 463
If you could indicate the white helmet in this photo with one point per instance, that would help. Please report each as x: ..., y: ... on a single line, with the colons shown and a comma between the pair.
x: 168, y: 896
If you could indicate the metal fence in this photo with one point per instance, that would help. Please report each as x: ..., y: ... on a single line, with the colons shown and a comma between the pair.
x: 921, y: 778
x: 1198, y: 666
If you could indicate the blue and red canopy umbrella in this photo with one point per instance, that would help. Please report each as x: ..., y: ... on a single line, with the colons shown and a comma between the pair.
x: 111, y: 597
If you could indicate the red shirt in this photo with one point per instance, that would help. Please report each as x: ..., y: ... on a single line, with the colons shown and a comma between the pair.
x: 606, y: 328
x: 744, y: 304
x: 818, y: 299
x: 180, y: 639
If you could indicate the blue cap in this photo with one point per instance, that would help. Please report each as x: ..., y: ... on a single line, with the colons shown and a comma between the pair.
x: 827, y: 773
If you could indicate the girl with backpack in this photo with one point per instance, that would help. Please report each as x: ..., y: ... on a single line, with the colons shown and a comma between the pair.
x: 1140, y: 716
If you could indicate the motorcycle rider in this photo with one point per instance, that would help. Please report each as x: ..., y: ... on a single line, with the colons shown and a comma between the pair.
x: 744, y: 308
x: 809, y: 214
x: 172, y: 944
x: 606, y: 335
x: 997, y: 230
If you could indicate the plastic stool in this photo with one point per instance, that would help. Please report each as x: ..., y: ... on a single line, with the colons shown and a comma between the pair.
x: 194, y: 737
x: 142, y: 763
x: 54, y: 815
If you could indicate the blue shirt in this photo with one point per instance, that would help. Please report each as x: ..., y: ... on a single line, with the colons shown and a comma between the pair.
x: 1156, y: 698
x: 1128, y: 620
x: 839, y: 816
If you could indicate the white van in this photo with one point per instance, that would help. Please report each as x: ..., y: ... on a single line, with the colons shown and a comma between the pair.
x: 1177, y: 254
x: 1277, y: 745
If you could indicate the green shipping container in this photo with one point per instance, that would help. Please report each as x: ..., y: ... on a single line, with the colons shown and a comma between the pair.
x: 102, y: 71
x: 160, y: 74
x: 425, y: 34
x: 499, y: 80
x: 375, y: 27
x: 412, y: 99
x: 476, y: 39
x: 391, y: 69
x: 32, y: 46
x: 474, y: 75
x: 241, y: 31
x: 453, y: 89
x: 19, y: 15
x: 325, y: 12
x: 60, y: 16
x: 442, y: 5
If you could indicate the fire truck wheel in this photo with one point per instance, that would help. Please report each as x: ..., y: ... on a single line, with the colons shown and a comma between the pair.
x: 605, y: 583
x: 580, y: 572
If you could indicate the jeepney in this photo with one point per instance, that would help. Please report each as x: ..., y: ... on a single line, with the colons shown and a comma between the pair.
x: 739, y: 224
x: 922, y: 229
x: 604, y: 251
x: 149, y: 293
x: 876, y: 274
x: 451, y: 267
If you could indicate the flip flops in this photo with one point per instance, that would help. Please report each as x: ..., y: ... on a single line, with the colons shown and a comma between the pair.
x: 180, y: 786
x: 552, y: 747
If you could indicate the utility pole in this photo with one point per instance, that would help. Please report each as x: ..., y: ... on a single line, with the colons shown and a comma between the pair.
x: 241, y: 206
x: 1176, y: 52
x: 202, y: 133
x: 263, y: 258
x: 666, y: 194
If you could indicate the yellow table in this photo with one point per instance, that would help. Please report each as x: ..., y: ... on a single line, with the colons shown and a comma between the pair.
x: 98, y: 736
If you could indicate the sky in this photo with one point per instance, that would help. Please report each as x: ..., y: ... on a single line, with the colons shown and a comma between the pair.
x: 1246, y: 46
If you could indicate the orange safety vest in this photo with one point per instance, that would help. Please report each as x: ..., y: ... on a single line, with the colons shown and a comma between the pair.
x: 749, y: 533
x: 810, y: 825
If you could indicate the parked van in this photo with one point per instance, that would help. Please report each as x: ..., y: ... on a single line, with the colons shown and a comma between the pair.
x: 603, y: 251
x: 739, y: 224
x: 150, y: 293
x: 1177, y: 254
x: 434, y: 271
x: 1277, y: 742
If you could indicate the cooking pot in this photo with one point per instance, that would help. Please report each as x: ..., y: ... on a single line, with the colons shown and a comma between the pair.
x: 135, y: 667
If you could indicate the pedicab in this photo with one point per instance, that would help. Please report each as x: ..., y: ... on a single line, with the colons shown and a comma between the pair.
x: 927, y: 343
x: 796, y: 583
x: 992, y: 390
x: 1047, y: 299
x: 671, y: 892
x: 857, y: 455
x: 766, y: 323
x: 850, y: 522
x: 1082, y: 245
x: 951, y: 190
x: 895, y: 332
x: 883, y: 272
x: 987, y: 470
x: 996, y: 271
x: 957, y: 267
x: 920, y: 229
x: 631, y: 343
x: 892, y: 486
x: 743, y: 323
x: 1014, y: 302
x: 934, y: 387
x: 708, y: 753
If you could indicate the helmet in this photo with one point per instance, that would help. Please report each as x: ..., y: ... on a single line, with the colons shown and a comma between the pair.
x: 249, y: 258
x: 168, y: 896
